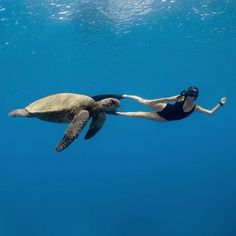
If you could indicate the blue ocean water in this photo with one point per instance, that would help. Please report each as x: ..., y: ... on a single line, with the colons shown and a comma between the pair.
x: 135, y: 177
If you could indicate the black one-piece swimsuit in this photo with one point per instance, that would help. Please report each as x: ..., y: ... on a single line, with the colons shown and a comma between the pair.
x: 175, y: 111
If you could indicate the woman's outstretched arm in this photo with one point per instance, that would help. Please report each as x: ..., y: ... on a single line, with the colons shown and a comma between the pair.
x: 214, y: 109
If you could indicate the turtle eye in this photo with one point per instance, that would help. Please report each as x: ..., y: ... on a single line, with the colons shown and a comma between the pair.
x: 113, y: 102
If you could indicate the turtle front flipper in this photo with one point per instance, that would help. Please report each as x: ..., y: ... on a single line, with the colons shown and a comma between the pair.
x: 74, y: 129
x: 96, y: 125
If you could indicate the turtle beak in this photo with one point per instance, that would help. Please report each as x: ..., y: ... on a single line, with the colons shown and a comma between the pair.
x: 118, y: 104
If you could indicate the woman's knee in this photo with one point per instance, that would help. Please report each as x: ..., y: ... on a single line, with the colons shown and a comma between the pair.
x: 157, y: 107
x: 143, y: 101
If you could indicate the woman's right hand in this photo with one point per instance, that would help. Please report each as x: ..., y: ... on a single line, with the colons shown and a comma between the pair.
x: 223, y: 100
x: 179, y: 98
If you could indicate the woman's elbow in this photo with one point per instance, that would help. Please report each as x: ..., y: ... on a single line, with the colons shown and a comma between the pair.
x: 207, y: 112
x: 210, y: 112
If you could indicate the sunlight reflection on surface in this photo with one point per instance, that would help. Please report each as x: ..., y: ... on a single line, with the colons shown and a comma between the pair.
x: 119, y: 17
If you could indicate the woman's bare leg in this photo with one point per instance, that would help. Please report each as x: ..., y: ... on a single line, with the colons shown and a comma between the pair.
x: 150, y: 103
x: 140, y: 114
x: 136, y: 98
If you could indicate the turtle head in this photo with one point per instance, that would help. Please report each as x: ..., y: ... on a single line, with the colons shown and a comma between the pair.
x: 109, y: 104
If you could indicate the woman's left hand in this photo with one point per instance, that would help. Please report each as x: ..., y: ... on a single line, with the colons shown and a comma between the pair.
x: 223, y: 100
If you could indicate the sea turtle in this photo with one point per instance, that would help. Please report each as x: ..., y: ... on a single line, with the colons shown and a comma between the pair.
x: 75, y: 109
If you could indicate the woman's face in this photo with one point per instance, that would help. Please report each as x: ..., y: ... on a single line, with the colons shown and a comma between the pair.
x: 191, y: 99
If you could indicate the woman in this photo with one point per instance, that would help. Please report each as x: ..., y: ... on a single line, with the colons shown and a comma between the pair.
x: 164, y: 111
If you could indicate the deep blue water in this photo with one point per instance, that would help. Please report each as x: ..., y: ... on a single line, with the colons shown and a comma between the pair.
x: 135, y: 177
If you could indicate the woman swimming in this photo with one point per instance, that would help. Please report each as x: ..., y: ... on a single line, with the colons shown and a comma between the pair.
x: 183, y: 107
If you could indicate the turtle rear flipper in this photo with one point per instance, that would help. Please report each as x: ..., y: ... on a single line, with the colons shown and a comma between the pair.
x: 96, y: 125
x: 74, y: 129
x: 19, y: 112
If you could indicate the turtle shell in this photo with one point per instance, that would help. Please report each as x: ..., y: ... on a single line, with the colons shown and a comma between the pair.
x: 59, y: 103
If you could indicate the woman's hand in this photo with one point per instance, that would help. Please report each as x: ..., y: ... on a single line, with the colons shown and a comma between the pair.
x: 179, y: 98
x: 223, y: 100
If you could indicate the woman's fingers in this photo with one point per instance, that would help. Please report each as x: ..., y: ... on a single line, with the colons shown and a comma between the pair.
x: 223, y: 100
